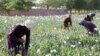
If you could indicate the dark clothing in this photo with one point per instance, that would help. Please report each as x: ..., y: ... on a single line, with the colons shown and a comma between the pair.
x: 67, y: 22
x: 17, y: 32
x: 88, y: 25
x: 88, y: 18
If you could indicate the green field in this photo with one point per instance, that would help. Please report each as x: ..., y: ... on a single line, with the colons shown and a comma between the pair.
x: 48, y: 38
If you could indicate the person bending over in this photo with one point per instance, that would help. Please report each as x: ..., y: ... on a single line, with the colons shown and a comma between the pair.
x: 16, y: 42
x: 90, y: 27
x: 67, y: 22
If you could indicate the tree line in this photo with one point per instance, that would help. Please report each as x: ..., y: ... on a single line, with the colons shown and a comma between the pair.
x: 68, y: 5
x: 85, y: 5
x: 76, y: 5
x: 20, y: 5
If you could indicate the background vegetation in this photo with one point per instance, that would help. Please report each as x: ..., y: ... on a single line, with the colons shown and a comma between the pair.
x: 48, y: 38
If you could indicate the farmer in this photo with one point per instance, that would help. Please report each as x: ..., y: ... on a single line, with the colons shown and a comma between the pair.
x: 15, y: 40
x: 67, y: 22
x: 89, y: 17
x: 90, y: 27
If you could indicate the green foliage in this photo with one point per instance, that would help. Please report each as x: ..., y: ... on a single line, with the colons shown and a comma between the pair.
x: 95, y: 4
x: 79, y: 4
x: 74, y: 4
x: 18, y: 5
x: 48, y: 38
x: 70, y: 5
x: 21, y: 5
x: 54, y: 3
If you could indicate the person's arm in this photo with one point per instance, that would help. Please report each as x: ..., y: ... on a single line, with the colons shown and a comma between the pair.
x: 70, y: 22
x: 27, y: 40
x: 80, y: 23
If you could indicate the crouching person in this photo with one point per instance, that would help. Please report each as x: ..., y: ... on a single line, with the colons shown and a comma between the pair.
x: 16, y: 42
x: 90, y: 27
x: 67, y: 22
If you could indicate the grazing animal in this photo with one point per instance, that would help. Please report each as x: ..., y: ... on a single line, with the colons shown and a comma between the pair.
x: 90, y: 27
x: 15, y: 41
x: 67, y: 22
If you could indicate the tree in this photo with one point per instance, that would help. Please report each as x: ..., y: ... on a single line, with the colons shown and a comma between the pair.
x: 54, y: 3
x: 79, y: 5
x: 87, y: 5
x: 16, y: 5
x: 95, y: 4
x: 69, y: 5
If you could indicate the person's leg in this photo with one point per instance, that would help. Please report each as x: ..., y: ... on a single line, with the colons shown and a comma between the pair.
x: 89, y: 32
x: 11, y: 52
x: 11, y: 47
x: 96, y: 33
x: 65, y: 25
x: 24, y: 53
x: 16, y: 49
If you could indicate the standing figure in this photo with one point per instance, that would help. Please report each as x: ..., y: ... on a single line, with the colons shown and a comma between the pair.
x: 67, y: 22
x: 16, y: 42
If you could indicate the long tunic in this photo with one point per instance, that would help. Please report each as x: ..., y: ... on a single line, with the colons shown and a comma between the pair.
x: 88, y: 25
x: 67, y: 22
x: 17, y: 33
